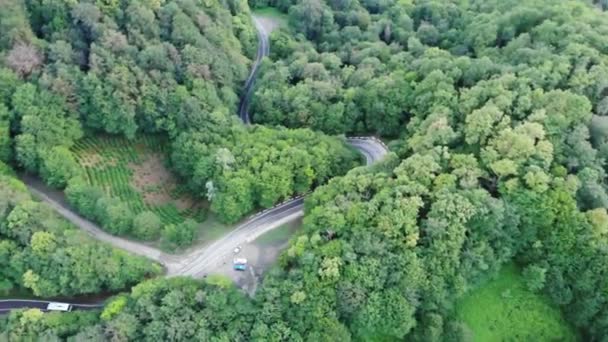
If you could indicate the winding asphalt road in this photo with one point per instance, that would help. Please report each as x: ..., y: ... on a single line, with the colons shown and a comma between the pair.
x: 198, y: 261
x: 263, y: 51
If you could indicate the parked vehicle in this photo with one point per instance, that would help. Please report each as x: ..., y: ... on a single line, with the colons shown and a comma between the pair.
x: 240, y: 267
x: 59, y: 307
x: 239, y: 261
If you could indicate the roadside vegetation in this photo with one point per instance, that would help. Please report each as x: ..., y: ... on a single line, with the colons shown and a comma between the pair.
x: 278, y: 235
x: 45, y: 255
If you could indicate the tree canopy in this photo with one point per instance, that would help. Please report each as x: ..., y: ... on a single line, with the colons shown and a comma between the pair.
x: 46, y: 255
x: 174, y: 68
x: 497, y: 115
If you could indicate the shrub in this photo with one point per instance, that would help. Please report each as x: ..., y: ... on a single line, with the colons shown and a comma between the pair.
x: 83, y: 197
x: 180, y: 235
x: 146, y: 226
x: 58, y: 166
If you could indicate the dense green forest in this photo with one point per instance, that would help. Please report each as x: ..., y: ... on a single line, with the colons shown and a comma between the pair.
x: 48, y: 256
x: 498, y: 115
x: 76, y: 68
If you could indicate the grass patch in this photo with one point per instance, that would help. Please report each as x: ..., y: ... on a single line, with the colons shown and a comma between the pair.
x: 212, y: 229
x: 272, y: 13
x: 503, y: 309
x: 135, y: 171
x: 278, y: 235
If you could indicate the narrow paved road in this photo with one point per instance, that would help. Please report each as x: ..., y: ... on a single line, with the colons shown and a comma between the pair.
x: 198, y: 261
x: 12, y: 304
x: 263, y: 51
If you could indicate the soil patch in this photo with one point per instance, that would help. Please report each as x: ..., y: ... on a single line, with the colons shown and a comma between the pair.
x: 156, y: 183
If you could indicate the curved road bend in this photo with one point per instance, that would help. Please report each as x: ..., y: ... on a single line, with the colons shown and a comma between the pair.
x: 199, y: 260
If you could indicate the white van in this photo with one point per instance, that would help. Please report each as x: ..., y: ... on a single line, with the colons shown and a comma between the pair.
x: 239, y: 261
x: 59, y: 307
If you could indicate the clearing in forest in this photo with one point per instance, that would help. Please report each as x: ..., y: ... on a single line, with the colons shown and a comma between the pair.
x: 503, y: 309
x: 271, y: 18
x: 135, y: 171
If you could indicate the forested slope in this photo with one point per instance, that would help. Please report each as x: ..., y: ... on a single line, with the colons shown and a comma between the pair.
x: 118, y: 67
x: 174, y: 68
x: 498, y: 114
x: 44, y: 254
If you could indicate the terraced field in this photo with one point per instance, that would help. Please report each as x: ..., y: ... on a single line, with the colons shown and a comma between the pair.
x: 135, y: 171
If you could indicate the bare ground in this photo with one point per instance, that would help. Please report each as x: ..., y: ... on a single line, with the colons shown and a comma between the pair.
x: 156, y: 183
x: 261, y: 257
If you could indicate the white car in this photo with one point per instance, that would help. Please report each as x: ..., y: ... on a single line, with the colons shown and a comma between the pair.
x: 239, y: 261
x: 237, y: 249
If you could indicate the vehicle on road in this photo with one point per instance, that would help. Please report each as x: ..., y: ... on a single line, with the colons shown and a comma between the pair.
x: 54, y: 306
x: 239, y: 261
x: 240, y: 267
x: 237, y: 249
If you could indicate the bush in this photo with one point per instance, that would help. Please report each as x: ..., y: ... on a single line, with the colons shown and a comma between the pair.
x: 58, y: 166
x: 146, y: 226
x: 83, y: 197
x: 180, y: 235
x: 6, y: 170
x: 534, y: 276
x: 115, y: 216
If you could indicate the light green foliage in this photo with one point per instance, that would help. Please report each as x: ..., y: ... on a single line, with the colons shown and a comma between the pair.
x: 146, y: 225
x: 31, y: 235
x: 59, y: 166
x: 184, y: 309
x: 500, y: 156
x: 114, y: 308
x: 83, y: 196
x: 504, y: 309
x: 258, y: 167
x: 534, y: 277
x: 115, y: 216
x: 33, y: 324
x: 45, y: 123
